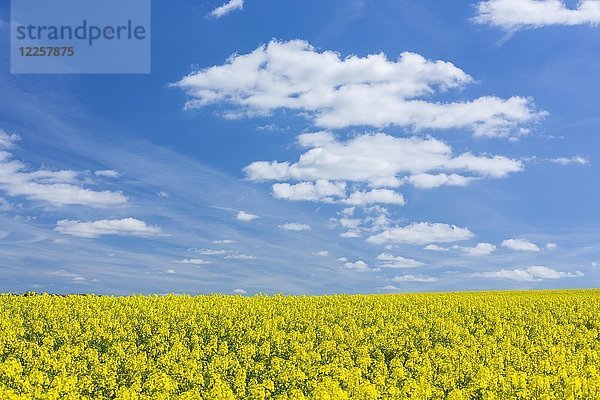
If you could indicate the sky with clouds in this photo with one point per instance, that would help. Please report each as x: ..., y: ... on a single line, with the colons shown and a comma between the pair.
x: 307, y: 147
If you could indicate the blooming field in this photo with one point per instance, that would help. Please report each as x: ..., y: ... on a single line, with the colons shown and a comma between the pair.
x: 488, y: 345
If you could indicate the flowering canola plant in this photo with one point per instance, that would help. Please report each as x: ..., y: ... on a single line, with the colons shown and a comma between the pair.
x: 485, y: 345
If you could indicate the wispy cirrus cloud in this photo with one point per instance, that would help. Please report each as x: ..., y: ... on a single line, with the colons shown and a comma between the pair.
x: 391, y: 261
x: 530, y: 274
x: 413, y: 278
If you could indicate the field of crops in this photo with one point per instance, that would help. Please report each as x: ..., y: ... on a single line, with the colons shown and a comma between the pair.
x: 489, y: 345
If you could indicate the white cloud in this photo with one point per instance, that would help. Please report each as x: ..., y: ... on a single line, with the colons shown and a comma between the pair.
x: 353, y: 91
x: 210, y: 252
x: 435, y: 247
x: 374, y: 159
x: 245, y: 216
x: 353, y: 233
x: 320, y: 190
x: 391, y: 261
x: 348, y: 211
x: 369, y: 157
x: 294, y: 226
x: 520, y: 245
x: 380, y: 196
x: 108, y: 173
x: 239, y: 291
x: 224, y: 241
x: 533, y: 273
x: 481, y: 249
x: 239, y: 257
x: 228, y: 7
x: 55, y: 187
x: 170, y: 271
x: 122, y: 227
x: 571, y: 160
x: 414, y: 278
x: 5, y: 205
x: 163, y: 194
x: 359, y: 266
x: 422, y: 233
x: 8, y: 140
x: 193, y: 261
x: 75, y: 278
x: 515, y: 14
x: 322, y: 253
x: 429, y: 181
x: 349, y: 223
x: 551, y: 246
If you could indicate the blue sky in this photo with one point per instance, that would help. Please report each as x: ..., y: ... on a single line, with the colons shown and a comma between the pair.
x: 307, y: 148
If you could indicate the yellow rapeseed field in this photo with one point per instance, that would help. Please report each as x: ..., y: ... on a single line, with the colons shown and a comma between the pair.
x: 487, y: 345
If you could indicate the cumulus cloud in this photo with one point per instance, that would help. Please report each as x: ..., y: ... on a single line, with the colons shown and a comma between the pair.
x: 414, y: 278
x: 374, y: 160
x: 352, y: 233
x: 481, y: 249
x: 121, y: 227
x: 391, y: 261
x: 368, y: 157
x: 228, y: 7
x: 239, y: 291
x: 246, y: 217
x: 380, y: 196
x: 320, y: 190
x: 322, y: 253
x: 8, y: 140
x: 430, y: 181
x: 5, y: 205
x: 58, y: 188
x: 435, y: 247
x: 339, y: 92
x: 359, y: 266
x: 520, y: 245
x: 514, y: 14
x: 533, y: 273
x: 294, y: 226
x: 422, y: 233
x: 551, y: 246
